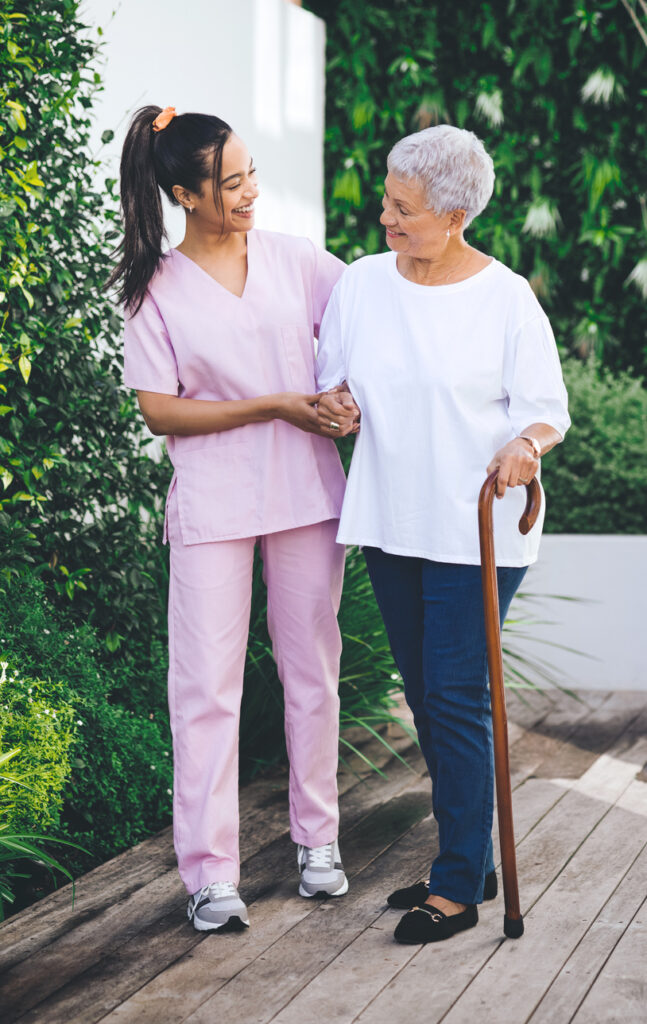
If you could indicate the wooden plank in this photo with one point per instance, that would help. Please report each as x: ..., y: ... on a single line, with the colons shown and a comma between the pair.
x: 515, y: 978
x: 147, y: 997
x: 191, y: 980
x: 375, y: 945
x: 373, y: 959
x: 26, y: 932
x: 622, y: 712
x: 620, y: 992
x: 122, y: 986
x: 49, y: 918
x: 164, y: 933
x: 548, y: 741
x: 566, y: 743
x: 264, y: 817
x: 434, y: 978
x: 261, y: 801
x: 300, y: 955
x: 103, y: 981
x: 579, y: 973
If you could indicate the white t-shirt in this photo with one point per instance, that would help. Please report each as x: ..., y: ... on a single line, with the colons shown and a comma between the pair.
x: 444, y: 376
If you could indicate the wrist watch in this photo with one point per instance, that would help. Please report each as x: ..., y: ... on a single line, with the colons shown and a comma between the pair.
x: 534, y: 444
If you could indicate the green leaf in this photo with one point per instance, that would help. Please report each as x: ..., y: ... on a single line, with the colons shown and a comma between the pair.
x: 25, y: 367
x: 17, y: 110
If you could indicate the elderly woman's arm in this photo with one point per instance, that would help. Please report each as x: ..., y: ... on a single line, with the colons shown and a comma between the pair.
x: 516, y: 461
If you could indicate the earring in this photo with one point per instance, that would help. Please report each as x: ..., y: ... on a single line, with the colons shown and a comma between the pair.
x: 448, y: 232
x: 191, y: 211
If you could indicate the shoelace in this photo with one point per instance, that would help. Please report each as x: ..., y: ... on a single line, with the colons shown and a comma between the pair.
x: 319, y: 856
x: 214, y: 891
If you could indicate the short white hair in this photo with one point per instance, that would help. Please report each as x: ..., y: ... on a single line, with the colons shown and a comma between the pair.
x: 450, y: 164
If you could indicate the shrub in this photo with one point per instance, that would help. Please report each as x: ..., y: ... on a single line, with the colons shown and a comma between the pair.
x: 596, y: 481
x: 36, y: 736
x: 36, y: 719
x: 117, y: 789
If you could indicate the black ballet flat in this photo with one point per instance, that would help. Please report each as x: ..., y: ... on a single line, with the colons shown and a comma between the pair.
x: 428, y: 924
x: 415, y: 895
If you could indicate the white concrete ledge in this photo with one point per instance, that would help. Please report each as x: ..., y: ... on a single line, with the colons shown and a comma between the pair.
x: 607, y: 576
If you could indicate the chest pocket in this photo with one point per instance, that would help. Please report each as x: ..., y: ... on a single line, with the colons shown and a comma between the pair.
x: 298, y: 356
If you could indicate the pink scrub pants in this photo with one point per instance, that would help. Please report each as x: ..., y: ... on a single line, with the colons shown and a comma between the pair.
x: 209, y: 610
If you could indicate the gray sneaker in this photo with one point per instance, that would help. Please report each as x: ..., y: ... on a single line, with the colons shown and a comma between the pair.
x: 321, y: 870
x: 217, y: 905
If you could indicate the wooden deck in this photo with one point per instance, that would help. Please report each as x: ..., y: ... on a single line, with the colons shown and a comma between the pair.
x: 126, y: 953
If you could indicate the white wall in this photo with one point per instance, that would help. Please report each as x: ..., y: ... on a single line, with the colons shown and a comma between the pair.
x: 609, y: 622
x: 258, y: 64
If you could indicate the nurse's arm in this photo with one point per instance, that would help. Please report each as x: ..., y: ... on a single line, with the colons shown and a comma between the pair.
x: 168, y: 414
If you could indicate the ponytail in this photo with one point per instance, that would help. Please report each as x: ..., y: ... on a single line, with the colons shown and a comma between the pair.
x: 186, y: 152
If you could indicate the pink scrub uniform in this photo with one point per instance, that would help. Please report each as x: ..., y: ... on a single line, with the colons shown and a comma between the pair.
x: 267, y: 482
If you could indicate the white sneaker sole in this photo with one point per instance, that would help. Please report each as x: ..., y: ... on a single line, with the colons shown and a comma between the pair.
x: 343, y: 889
x: 211, y: 926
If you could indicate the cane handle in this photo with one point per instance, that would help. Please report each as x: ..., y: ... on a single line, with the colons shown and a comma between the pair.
x: 533, y: 500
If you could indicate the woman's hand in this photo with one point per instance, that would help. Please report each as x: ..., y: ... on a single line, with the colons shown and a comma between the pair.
x: 338, y: 407
x: 516, y: 464
x: 299, y: 410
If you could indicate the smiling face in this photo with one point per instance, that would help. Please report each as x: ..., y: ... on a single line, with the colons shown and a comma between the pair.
x: 238, y: 191
x: 238, y: 186
x: 412, y: 228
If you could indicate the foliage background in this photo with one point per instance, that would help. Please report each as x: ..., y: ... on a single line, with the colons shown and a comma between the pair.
x: 557, y: 91
x: 83, y: 576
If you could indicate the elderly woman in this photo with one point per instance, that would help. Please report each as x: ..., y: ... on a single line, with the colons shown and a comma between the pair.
x: 451, y: 362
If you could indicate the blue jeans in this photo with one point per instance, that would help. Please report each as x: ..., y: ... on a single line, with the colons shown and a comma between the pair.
x: 433, y: 613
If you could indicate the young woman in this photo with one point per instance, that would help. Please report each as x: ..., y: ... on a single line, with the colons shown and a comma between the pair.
x: 219, y: 346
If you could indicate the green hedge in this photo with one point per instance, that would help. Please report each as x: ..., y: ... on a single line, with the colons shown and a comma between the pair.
x: 114, y: 786
x: 80, y: 500
x: 596, y: 481
x: 36, y: 718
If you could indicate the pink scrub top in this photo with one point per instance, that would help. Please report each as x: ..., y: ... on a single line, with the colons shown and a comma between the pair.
x: 195, y: 339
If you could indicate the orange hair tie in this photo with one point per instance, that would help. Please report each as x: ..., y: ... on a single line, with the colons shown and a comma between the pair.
x: 163, y: 119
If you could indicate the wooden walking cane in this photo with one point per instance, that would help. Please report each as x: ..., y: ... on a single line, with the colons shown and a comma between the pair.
x: 513, y: 921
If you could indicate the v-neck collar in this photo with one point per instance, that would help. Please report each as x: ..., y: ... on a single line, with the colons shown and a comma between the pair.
x: 200, y: 270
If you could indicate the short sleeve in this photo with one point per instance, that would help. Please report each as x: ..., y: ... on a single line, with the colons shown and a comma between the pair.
x: 330, y: 368
x: 533, y: 378
x: 327, y: 271
x: 149, y: 359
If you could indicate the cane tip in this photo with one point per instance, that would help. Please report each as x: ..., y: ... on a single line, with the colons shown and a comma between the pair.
x: 513, y: 927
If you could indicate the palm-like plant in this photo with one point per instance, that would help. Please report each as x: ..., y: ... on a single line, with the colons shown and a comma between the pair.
x: 17, y: 846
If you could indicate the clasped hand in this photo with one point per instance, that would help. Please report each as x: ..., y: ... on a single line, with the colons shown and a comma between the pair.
x: 338, y: 407
x: 516, y: 465
x: 315, y: 413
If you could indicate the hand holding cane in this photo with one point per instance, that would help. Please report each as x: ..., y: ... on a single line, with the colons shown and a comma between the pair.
x: 513, y: 921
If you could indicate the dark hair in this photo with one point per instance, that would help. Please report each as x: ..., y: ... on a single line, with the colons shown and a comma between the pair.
x: 186, y: 153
